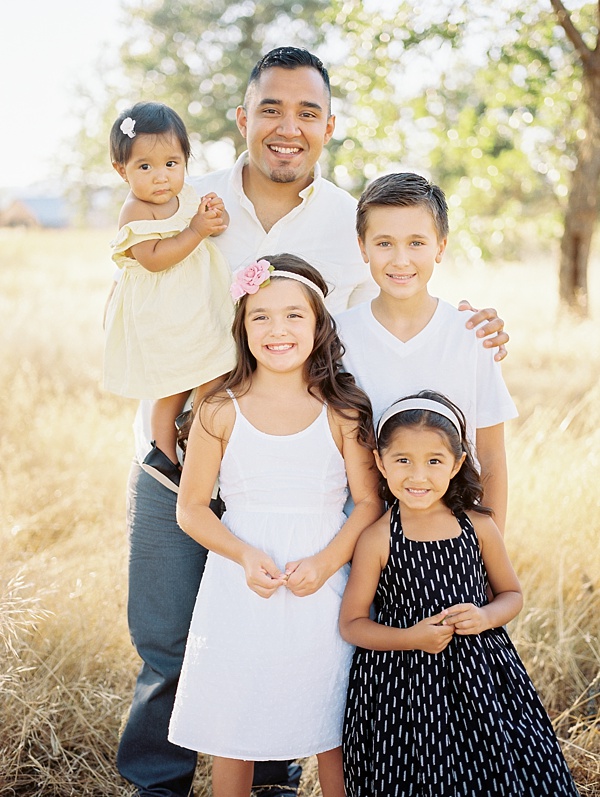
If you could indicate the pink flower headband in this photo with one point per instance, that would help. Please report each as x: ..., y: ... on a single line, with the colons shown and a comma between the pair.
x: 248, y: 279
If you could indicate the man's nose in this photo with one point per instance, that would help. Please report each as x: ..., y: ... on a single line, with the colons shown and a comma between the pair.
x: 288, y: 125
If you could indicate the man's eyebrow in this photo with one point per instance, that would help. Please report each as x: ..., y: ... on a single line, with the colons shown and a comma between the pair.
x: 302, y: 103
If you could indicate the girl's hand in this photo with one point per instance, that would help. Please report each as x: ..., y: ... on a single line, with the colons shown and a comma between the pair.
x: 209, y: 219
x: 306, y: 576
x: 466, y: 618
x: 431, y: 634
x: 262, y: 574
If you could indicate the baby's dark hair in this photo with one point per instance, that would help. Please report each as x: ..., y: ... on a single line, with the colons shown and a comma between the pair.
x: 151, y: 118
x: 403, y: 189
x: 465, y: 490
x: 288, y: 58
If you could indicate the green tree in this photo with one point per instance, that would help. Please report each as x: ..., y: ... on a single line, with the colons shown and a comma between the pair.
x: 197, y: 56
x: 582, y: 209
x: 505, y: 133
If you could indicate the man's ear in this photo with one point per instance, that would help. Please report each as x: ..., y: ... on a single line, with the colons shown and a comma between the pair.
x: 241, y: 118
x: 329, y: 129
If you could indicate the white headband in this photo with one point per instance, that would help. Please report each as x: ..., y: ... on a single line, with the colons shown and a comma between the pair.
x: 299, y: 278
x: 404, y: 405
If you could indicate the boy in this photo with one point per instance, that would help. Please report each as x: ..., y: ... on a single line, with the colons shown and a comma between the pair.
x: 406, y: 340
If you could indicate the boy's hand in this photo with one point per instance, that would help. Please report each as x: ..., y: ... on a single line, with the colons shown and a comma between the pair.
x: 495, y: 326
x: 466, y: 618
x: 431, y: 634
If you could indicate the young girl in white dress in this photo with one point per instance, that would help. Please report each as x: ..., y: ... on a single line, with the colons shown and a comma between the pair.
x: 265, y: 670
x: 168, y: 321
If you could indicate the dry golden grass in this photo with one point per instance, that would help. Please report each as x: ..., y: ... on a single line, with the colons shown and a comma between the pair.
x: 66, y: 665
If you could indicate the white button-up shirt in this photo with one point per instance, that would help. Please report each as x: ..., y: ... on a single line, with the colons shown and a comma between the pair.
x: 321, y: 229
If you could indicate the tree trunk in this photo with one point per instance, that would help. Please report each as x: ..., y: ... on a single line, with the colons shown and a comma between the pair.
x: 582, y: 209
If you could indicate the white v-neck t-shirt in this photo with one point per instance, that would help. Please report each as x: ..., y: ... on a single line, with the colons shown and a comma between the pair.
x: 444, y: 356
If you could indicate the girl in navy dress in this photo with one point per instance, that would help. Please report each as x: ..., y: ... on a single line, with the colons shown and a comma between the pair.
x: 439, y: 702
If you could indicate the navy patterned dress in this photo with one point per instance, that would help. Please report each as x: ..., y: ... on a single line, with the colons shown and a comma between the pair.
x: 466, y: 721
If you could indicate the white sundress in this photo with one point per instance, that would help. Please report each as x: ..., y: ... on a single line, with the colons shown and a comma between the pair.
x: 266, y: 679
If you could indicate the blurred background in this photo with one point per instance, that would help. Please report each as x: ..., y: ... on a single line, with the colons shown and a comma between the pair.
x: 499, y: 103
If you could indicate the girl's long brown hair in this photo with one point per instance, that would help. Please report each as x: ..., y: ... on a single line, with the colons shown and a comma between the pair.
x: 324, y: 376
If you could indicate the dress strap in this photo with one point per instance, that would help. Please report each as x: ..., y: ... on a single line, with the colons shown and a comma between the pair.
x: 395, y: 520
x: 235, y: 401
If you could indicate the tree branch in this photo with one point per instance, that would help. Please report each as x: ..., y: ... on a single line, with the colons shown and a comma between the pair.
x: 573, y: 34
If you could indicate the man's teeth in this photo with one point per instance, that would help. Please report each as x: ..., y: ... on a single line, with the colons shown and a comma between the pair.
x: 285, y: 150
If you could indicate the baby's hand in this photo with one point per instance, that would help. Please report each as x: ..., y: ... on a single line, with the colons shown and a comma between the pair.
x: 214, y: 202
x: 466, y: 618
x: 262, y: 574
x: 305, y: 576
x: 431, y: 634
x: 211, y: 218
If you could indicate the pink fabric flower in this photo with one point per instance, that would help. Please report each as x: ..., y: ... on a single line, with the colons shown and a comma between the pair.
x: 249, y: 279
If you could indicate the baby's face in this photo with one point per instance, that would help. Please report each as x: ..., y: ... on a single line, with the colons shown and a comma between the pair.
x: 156, y: 169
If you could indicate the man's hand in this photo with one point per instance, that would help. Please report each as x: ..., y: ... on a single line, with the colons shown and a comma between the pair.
x: 494, y: 326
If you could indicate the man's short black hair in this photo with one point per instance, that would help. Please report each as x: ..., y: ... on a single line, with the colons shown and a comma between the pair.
x: 289, y: 58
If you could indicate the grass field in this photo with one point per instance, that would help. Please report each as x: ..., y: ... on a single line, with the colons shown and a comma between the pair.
x: 66, y: 664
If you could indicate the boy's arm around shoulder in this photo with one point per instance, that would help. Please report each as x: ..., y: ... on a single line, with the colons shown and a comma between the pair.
x: 508, y: 597
x: 308, y: 575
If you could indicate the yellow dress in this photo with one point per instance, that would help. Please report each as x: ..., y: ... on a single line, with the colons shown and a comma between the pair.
x: 168, y: 331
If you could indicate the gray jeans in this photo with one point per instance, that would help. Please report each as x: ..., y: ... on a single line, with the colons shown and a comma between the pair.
x: 165, y: 568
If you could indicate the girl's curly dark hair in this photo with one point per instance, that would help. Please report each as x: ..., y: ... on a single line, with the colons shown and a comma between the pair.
x: 465, y: 490
x: 326, y: 379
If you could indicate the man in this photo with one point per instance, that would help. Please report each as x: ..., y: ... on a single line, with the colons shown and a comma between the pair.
x: 277, y: 201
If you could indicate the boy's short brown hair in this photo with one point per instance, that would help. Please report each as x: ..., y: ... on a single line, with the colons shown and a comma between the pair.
x: 403, y: 189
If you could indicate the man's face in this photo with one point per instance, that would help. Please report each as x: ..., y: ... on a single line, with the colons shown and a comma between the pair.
x: 286, y: 124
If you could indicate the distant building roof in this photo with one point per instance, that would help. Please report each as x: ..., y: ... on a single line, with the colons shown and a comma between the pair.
x: 38, y: 211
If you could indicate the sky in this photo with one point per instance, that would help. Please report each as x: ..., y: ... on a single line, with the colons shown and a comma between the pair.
x: 46, y: 48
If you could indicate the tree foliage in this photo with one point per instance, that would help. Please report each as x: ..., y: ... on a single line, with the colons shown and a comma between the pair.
x: 504, y: 134
x: 197, y: 55
x: 488, y: 99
